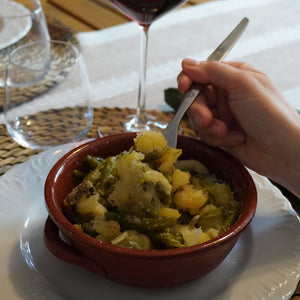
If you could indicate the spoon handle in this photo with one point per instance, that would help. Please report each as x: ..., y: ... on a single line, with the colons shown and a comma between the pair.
x: 170, y: 132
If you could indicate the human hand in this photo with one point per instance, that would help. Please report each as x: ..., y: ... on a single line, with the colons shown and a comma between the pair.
x: 242, y: 111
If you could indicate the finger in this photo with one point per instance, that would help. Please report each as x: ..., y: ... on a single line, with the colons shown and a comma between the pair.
x: 183, y: 82
x: 223, y: 75
x: 224, y: 112
x: 218, y: 135
x: 209, y: 91
x: 231, y: 140
x: 211, y: 95
x: 200, y: 114
x: 239, y: 65
x: 242, y: 66
x: 211, y: 103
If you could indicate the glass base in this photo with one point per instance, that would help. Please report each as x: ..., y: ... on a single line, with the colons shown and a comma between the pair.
x: 45, y: 129
x: 148, y: 123
x: 131, y: 124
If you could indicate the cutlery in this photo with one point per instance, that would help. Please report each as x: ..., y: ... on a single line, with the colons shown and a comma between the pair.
x: 170, y: 132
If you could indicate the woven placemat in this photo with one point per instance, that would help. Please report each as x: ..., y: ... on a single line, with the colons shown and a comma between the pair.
x: 110, y: 119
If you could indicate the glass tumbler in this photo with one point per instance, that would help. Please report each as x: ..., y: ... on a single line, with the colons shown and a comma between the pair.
x: 47, y: 95
x: 21, y: 22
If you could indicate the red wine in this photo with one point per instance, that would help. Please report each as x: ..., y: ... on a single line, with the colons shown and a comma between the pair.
x: 144, y: 12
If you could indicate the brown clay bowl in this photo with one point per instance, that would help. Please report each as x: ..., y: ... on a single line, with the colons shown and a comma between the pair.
x: 138, y: 267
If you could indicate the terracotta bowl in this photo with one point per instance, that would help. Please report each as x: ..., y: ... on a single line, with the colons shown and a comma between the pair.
x: 138, y: 267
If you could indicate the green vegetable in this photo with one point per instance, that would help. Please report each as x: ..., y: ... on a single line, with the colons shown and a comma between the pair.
x: 133, y: 239
x: 167, y: 239
x: 93, y: 161
x: 173, y: 97
x: 141, y: 224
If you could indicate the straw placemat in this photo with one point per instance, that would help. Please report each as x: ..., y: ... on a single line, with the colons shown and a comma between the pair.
x: 110, y: 120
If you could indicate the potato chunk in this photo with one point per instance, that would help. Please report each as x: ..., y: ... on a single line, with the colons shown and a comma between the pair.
x: 90, y: 205
x: 150, y: 141
x: 204, y: 237
x: 166, y: 163
x: 190, y: 199
x: 180, y: 178
x: 108, y: 230
x: 84, y: 200
x: 168, y: 212
x: 190, y: 234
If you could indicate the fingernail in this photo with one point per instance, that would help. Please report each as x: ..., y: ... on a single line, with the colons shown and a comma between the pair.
x: 189, y: 62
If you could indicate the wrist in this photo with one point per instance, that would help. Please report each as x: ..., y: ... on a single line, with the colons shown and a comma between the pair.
x: 287, y: 166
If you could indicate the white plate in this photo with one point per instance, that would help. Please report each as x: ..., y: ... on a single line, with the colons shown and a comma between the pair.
x: 265, y: 263
x: 15, y: 28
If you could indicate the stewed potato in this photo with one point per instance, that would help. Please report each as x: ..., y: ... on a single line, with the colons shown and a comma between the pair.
x: 146, y: 198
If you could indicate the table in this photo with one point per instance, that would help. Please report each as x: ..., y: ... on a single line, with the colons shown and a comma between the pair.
x: 86, y: 16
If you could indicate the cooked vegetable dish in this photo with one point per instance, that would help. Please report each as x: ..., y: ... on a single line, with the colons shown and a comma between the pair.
x: 145, y: 198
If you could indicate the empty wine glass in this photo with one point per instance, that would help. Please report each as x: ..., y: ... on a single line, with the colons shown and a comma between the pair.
x: 47, y: 95
x: 144, y: 12
x: 21, y: 22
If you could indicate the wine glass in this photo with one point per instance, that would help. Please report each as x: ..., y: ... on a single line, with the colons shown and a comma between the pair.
x: 47, y: 95
x: 144, y: 12
x: 21, y: 22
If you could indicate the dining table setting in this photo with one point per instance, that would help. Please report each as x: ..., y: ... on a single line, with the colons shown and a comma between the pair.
x: 73, y: 73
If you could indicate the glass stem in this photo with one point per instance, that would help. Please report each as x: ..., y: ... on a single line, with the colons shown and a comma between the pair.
x: 141, y: 105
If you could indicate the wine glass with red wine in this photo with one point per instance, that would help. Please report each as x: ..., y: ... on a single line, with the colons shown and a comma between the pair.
x: 144, y: 12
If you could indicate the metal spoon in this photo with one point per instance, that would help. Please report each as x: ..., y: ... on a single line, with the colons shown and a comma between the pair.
x: 170, y: 132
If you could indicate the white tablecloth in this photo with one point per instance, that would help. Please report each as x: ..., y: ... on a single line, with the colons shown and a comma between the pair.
x: 271, y: 43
